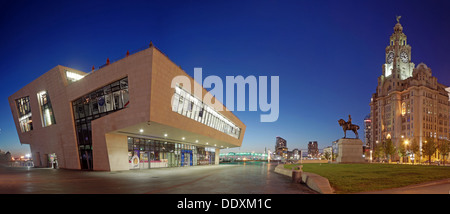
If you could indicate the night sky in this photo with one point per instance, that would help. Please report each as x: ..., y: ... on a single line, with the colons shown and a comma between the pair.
x: 327, y: 54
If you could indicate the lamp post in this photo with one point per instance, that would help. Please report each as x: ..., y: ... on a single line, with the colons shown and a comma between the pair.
x: 421, y: 153
x: 403, y: 140
x: 376, y: 145
x: 406, y: 148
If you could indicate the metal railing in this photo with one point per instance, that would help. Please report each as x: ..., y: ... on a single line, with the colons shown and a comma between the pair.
x: 123, y: 56
x: 131, y: 53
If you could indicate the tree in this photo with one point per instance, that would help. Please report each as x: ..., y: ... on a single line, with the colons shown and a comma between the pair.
x: 333, y: 156
x: 367, y: 153
x: 327, y: 155
x: 429, y: 148
x: 388, y: 148
x: 415, y: 148
x: 444, y: 148
x: 377, y: 152
x: 402, y: 151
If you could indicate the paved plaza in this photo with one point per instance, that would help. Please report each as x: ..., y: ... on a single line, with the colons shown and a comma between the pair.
x: 248, y: 178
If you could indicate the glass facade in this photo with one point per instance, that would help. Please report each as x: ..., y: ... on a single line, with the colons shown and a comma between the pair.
x: 101, y: 102
x: 24, y: 110
x: 47, y: 117
x: 186, y: 104
x: 149, y: 153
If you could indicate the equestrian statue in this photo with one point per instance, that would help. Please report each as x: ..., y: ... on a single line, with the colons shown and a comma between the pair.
x: 349, y: 126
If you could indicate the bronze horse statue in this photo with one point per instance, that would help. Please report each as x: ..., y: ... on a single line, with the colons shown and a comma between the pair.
x: 348, y: 126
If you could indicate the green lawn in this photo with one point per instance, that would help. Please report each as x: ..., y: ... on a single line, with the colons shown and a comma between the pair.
x: 352, y: 178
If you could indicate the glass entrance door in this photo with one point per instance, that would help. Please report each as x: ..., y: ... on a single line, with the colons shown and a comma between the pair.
x: 186, y: 158
x: 144, y: 160
x: 152, y: 159
x: 86, y: 159
x: 183, y: 159
x: 172, y: 162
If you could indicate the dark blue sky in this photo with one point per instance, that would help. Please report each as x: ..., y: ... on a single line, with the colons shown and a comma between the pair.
x: 328, y: 54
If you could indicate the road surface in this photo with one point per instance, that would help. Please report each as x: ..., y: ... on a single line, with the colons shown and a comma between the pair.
x: 249, y: 178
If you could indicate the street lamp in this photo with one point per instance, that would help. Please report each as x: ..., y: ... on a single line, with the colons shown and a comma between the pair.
x: 421, y: 152
x: 406, y: 148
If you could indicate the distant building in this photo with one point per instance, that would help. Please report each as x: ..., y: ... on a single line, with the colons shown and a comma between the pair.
x: 280, y: 143
x: 313, y: 149
x: 368, y: 131
x: 296, y: 154
x: 281, y: 147
x: 5, y: 156
x: 242, y: 156
x: 304, y: 154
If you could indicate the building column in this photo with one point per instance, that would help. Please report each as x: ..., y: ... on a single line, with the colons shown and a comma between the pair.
x: 117, y: 152
x: 216, y: 159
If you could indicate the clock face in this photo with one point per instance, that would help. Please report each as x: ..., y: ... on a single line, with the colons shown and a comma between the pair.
x: 404, y: 57
x: 390, y: 57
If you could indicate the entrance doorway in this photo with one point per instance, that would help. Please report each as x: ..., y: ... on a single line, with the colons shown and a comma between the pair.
x: 86, y: 159
x: 186, y: 158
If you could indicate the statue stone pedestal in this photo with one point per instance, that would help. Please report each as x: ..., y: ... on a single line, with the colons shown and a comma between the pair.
x: 350, y: 151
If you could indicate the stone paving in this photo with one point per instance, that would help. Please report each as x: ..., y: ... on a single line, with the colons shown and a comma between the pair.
x: 249, y: 178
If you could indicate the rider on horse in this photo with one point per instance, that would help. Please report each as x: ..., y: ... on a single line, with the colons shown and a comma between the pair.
x: 349, y: 122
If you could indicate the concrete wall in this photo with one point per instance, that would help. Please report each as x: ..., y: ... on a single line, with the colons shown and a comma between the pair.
x: 163, y: 72
x: 281, y: 170
x: 59, y: 138
x: 117, y: 152
x: 315, y: 182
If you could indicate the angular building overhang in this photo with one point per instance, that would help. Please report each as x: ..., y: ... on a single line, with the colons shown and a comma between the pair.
x: 157, y: 131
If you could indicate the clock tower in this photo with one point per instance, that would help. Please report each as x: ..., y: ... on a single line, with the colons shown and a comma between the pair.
x: 398, y: 63
x: 409, y: 105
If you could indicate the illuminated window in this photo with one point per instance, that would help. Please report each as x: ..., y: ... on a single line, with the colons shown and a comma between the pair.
x: 186, y: 104
x: 47, y: 117
x: 24, y: 110
x: 403, y: 109
x: 73, y: 77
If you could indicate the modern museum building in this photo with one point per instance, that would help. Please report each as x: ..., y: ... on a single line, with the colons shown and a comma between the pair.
x: 124, y: 115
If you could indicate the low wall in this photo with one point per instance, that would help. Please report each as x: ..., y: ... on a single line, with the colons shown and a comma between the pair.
x: 281, y: 170
x: 312, y: 161
x: 317, y: 183
x: 313, y: 181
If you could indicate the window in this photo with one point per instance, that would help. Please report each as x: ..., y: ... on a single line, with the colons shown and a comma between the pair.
x: 45, y: 106
x: 24, y: 110
x: 175, y: 100
x: 99, y: 103
x: 73, y: 77
x: 151, y: 153
x: 192, y: 107
x: 403, y: 108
